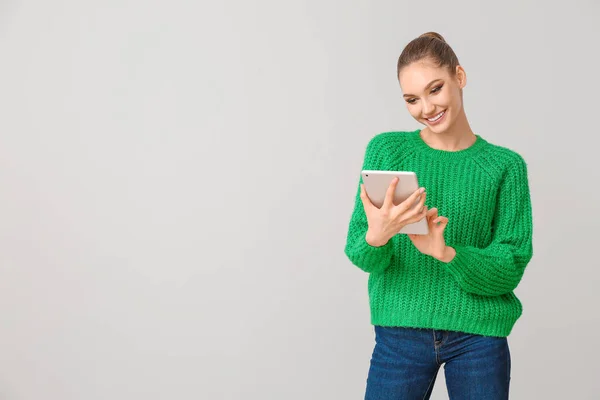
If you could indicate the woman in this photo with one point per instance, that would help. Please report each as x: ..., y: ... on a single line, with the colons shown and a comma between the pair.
x: 445, y: 297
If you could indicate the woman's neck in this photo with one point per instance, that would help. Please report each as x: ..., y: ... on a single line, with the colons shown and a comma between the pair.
x: 459, y: 136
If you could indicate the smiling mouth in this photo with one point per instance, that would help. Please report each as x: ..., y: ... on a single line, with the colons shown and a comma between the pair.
x: 437, y: 117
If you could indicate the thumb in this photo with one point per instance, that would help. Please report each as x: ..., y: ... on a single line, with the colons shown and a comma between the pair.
x: 365, y: 198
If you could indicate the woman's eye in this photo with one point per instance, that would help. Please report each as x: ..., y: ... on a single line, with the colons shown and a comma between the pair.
x: 411, y: 101
x: 436, y: 89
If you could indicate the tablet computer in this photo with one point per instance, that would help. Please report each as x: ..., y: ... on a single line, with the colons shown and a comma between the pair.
x: 376, y: 185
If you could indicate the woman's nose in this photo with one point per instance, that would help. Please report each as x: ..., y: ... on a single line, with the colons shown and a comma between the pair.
x: 428, y: 108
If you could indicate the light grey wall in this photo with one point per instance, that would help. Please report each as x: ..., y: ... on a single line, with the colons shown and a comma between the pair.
x: 176, y: 180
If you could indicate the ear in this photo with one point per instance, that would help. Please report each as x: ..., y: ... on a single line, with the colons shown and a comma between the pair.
x: 461, y: 76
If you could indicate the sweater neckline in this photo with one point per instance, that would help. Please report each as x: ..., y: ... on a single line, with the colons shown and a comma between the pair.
x: 439, y: 154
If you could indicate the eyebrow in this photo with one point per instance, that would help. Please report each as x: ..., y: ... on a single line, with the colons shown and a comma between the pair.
x: 426, y: 87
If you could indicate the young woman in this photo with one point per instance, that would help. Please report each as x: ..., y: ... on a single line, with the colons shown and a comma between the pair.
x: 445, y: 297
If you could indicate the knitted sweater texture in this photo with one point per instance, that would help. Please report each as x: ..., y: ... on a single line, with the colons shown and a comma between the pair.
x: 484, y: 192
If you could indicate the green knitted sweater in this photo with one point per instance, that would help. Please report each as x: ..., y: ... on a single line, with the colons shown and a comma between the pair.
x: 484, y: 192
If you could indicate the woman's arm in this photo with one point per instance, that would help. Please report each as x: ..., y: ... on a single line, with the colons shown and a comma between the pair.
x: 369, y: 258
x: 498, y: 268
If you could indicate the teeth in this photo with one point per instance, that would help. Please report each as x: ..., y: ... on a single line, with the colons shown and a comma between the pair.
x: 436, y: 117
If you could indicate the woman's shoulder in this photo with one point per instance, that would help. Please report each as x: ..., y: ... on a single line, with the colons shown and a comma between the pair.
x: 501, y: 162
x: 504, y: 155
x: 386, y: 145
x: 390, y: 139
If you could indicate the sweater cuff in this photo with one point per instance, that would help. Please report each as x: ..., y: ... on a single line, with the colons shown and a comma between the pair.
x: 371, y: 258
x: 466, y: 270
x: 459, y: 265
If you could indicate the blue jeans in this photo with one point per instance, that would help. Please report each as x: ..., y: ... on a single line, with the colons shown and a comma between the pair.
x: 406, y: 361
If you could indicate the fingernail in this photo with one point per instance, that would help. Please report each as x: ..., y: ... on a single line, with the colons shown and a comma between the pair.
x: 422, y: 190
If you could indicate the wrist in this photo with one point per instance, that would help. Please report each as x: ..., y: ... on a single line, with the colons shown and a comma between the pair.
x: 447, y: 254
x: 375, y: 240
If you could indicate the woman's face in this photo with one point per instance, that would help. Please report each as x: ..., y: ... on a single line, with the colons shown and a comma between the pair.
x: 433, y: 97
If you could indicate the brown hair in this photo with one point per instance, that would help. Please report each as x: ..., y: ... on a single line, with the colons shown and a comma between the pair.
x: 431, y: 46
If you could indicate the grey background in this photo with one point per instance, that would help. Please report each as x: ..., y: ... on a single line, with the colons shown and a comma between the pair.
x: 177, y: 177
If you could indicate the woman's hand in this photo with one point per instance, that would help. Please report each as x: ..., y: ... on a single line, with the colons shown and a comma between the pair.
x: 433, y: 244
x: 387, y: 221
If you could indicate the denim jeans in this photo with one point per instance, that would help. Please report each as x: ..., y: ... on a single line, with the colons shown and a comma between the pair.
x: 406, y: 361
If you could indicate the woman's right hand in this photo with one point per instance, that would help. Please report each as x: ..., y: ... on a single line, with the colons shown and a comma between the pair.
x: 387, y: 221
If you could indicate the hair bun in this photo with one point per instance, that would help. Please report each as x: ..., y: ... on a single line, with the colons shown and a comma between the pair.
x: 434, y: 35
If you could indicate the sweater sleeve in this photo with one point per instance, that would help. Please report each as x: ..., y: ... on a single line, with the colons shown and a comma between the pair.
x: 369, y: 258
x: 498, y: 268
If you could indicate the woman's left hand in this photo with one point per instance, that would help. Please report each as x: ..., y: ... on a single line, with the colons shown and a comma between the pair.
x: 433, y: 243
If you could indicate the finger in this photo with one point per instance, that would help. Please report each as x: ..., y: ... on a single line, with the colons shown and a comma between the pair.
x: 364, y: 198
x: 417, y: 215
x: 440, y: 223
x: 410, y: 201
x: 421, y: 202
x: 420, y: 208
x: 440, y: 219
x: 432, y: 213
x: 389, y: 194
